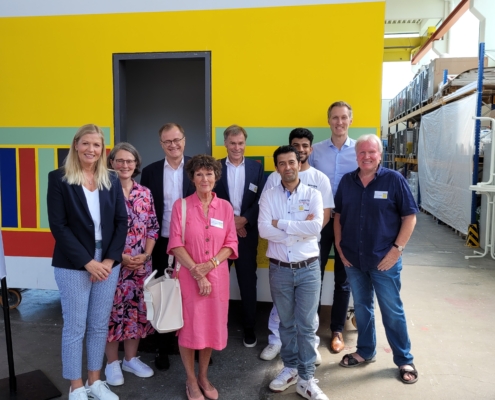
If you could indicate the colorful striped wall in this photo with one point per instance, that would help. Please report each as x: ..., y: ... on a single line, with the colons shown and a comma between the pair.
x: 283, y: 77
x: 27, y: 155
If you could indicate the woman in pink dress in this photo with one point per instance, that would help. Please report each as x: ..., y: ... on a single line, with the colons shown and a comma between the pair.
x: 210, y: 239
x: 128, y: 321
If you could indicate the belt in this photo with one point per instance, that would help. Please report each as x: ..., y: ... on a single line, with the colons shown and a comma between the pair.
x: 294, y: 265
x: 98, y: 244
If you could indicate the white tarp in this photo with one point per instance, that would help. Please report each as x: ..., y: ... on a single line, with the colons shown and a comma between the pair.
x: 3, y: 268
x: 445, y: 154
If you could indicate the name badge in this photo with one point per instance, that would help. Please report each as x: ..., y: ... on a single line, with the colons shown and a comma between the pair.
x: 216, y: 223
x: 381, y: 195
x: 301, y: 206
x: 253, y: 188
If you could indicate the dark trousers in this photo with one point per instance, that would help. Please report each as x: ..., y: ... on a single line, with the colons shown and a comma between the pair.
x: 245, y: 268
x: 168, y: 341
x: 159, y: 256
x: 342, y: 289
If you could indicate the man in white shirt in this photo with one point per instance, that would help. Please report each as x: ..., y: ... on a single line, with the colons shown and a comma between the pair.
x: 301, y: 139
x: 291, y: 218
x: 167, y: 182
x: 241, y: 184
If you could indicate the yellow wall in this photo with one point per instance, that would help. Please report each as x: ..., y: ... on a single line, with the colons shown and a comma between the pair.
x: 271, y: 67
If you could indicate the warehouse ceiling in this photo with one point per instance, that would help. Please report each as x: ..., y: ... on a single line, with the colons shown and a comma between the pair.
x: 409, y: 24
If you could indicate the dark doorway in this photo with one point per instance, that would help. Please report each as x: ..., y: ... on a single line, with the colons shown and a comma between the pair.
x: 151, y: 89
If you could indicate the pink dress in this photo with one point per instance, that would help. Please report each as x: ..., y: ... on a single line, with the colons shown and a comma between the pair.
x: 205, y: 317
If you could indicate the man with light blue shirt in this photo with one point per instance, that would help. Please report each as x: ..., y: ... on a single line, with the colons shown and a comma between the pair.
x: 335, y: 157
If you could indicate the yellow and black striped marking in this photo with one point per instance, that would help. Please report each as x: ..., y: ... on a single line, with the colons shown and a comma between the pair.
x: 473, y: 239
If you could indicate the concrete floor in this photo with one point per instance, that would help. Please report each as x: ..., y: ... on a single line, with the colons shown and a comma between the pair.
x: 449, y: 304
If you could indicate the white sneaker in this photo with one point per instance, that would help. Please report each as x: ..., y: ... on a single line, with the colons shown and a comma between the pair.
x: 137, y: 367
x: 270, y: 352
x: 318, y: 358
x: 287, y: 377
x: 100, y: 391
x: 310, y: 390
x: 113, y: 374
x: 79, y: 394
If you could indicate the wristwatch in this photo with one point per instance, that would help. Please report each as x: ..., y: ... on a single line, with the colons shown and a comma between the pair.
x: 400, y: 248
x: 216, y: 261
x: 148, y: 257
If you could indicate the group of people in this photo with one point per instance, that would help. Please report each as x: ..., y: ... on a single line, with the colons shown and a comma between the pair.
x: 110, y: 232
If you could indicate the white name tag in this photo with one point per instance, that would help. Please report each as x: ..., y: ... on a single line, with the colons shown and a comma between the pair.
x: 381, y: 195
x: 253, y: 188
x: 216, y: 223
x: 299, y: 208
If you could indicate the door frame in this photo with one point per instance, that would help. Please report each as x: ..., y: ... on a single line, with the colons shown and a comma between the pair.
x: 119, y: 87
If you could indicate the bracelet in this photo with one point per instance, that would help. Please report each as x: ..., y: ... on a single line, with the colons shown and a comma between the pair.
x: 148, y: 257
x: 215, y: 261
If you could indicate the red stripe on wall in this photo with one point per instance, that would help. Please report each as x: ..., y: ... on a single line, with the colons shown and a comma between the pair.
x: 27, y: 175
x: 28, y: 244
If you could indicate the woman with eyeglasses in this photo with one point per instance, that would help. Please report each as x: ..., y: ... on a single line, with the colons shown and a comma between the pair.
x: 128, y: 317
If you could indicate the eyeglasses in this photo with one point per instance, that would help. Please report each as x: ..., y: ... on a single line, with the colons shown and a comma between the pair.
x: 171, y: 142
x: 130, y: 163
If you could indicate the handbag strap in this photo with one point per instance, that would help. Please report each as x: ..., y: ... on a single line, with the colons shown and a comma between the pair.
x: 184, y: 210
x: 183, y: 224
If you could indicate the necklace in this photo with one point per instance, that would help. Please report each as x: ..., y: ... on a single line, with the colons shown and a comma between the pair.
x: 89, y: 181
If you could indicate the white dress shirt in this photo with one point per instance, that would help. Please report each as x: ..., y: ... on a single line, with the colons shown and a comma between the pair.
x: 295, y: 239
x: 310, y: 177
x: 172, y: 190
x: 236, y: 177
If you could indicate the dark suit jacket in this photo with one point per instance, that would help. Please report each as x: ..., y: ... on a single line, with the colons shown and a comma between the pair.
x: 250, y: 199
x: 72, y: 226
x: 152, y: 178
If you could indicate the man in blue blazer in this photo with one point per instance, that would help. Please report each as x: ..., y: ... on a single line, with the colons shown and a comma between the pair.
x: 167, y: 182
x: 241, y: 184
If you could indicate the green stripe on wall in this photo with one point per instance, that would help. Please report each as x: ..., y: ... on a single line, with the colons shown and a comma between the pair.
x: 46, y: 162
x: 280, y: 136
x: 42, y: 136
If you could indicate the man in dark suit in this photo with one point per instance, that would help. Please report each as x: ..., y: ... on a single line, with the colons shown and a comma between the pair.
x: 167, y: 182
x: 241, y: 184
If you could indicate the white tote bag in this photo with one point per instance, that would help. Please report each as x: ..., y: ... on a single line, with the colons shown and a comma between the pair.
x: 163, y: 297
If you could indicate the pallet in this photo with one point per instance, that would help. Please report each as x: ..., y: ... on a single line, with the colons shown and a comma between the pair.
x: 463, y: 236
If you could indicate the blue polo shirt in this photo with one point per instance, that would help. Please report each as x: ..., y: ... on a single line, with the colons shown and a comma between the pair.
x: 371, y: 216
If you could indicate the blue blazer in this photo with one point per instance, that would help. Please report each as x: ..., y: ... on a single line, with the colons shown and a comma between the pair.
x: 152, y: 178
x: 72, y: 226
x: 250, y: 199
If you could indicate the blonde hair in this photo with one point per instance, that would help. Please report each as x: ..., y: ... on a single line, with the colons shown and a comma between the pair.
x: 73, y: 173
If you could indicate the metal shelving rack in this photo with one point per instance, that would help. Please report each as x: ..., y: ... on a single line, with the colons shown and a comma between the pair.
x: 479, y: 80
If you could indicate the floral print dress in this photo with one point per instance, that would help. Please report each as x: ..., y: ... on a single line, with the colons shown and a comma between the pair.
x: 128, y: 316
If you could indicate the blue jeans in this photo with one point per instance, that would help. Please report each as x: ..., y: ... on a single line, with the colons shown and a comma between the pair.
x: 296, y: 293
x: 387, y: 286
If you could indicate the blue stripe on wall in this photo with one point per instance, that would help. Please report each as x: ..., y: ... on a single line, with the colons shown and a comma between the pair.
x: 8, y: 188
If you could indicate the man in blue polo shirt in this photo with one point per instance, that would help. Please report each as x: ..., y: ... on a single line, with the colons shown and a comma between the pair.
x: 375, y: 215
